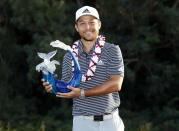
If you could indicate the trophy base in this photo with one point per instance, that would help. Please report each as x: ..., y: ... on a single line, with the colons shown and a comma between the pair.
x: 62, y: 86
x: 64, y: 90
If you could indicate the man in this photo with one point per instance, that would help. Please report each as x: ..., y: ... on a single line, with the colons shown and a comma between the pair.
x: 96, y: 101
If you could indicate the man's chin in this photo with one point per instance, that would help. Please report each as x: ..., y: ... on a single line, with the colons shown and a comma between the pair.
x: 89, y: 39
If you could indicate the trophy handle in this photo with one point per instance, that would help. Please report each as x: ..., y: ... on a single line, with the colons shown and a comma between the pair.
x: 51, y: 79
x: 74, y: 81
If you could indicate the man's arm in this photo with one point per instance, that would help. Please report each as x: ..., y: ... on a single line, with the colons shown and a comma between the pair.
x: 114, y: 84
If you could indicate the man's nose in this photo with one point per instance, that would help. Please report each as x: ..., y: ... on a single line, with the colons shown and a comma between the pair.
x: 87, y: 26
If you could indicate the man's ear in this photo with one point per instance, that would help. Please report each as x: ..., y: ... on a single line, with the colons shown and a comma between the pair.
x: 76, y: 27
x: 99, y: 23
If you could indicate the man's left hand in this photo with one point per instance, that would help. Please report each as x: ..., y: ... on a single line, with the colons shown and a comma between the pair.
x: 75, y: 92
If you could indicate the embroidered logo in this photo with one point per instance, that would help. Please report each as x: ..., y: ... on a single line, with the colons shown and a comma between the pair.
x: 100, y: 62
x: 86, y: 11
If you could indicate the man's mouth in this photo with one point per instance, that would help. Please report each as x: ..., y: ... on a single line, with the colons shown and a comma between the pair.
x: 88, y: 32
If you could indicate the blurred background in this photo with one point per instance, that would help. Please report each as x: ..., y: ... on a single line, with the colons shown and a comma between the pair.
x: 147, y: 32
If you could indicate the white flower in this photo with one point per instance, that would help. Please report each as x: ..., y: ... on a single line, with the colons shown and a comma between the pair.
x: 90, y: 73
x: 98, y: 50
x: 93, y: 68
x: 95, y: 58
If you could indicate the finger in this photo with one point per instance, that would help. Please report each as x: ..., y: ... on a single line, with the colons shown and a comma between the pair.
x: 48, y: 88
x: 66, y: 95
x: 43, y: 80
x: 49, y: 91
x: 56, y: 76
x: 70, y: 87
x: 45, y: 83
x: 61, y: 95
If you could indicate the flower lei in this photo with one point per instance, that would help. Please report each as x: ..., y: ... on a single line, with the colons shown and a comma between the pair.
x: 94, y: 59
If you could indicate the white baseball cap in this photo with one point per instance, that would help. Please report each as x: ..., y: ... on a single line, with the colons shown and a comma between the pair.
x: 86, y: 10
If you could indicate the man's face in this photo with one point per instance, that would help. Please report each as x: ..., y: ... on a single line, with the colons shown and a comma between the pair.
x: 88, y: 27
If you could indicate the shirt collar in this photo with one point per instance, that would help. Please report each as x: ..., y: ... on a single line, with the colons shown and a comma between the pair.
x: 81, y: 50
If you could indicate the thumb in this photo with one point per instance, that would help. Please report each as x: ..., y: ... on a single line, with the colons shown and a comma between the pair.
x: 70, y: 87
x: 42, y: 80
x: 56, y: 76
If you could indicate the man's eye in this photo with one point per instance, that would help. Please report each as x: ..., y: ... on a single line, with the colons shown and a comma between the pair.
x: 82, y: 23
x: 92, y: 22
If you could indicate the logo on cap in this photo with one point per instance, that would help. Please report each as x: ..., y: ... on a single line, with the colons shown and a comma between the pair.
x: 86, y: 11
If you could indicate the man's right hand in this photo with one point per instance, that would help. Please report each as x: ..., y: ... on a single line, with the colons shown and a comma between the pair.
x: 47, y: 86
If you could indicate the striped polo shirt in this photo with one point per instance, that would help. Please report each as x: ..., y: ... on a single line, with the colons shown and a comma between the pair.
x: 110, y: 63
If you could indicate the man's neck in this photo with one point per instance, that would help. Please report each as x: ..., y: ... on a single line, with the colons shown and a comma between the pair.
x: 87, y: 45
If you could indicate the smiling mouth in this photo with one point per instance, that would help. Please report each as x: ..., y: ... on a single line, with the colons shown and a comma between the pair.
x: 89, y: 32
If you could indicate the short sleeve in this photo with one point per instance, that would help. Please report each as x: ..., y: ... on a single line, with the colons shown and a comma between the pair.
x: 115, y: 65
x: 66, y: 68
